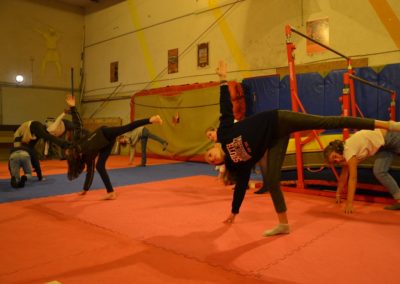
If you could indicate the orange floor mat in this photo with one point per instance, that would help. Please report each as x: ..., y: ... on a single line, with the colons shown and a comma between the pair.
x: 172, y: 232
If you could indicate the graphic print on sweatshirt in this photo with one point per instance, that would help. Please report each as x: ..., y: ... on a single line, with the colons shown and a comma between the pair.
x: 237, y: 150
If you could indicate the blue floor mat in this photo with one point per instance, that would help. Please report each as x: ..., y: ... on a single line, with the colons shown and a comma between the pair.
x: 59, y: 184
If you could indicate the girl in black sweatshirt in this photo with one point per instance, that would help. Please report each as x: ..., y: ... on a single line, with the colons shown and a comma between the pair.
x: 265, y: 136
x: 98, y: 145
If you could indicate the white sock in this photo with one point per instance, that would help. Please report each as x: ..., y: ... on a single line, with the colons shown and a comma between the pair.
x: 279, y: 229
x: 394, y: 125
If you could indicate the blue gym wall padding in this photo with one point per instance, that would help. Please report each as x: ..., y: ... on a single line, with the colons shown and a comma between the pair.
x: 264, y: 91
x: 389, y: 77
x: 333, y: 90
x: 321, y: 95
x: 367, y: 96
x: 285, y: 101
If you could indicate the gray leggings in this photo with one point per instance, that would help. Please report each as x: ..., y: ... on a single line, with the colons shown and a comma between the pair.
x: 289, y: 122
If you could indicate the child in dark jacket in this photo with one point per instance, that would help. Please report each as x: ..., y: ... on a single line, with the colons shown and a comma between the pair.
x: 98, y: 144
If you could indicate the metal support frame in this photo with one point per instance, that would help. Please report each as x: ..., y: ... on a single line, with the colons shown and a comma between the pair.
x: 393, y: 95
x: 348, y: 101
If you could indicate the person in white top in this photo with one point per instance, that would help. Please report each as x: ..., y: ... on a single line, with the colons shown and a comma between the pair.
x: 361, y: 145
x: 142, y: 134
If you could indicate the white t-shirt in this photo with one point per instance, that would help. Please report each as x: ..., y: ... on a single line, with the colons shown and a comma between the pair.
x: 134, y: 135
x: 363, y: 144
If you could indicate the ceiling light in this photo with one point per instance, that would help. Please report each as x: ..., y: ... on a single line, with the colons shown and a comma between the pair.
x: 19, y: 78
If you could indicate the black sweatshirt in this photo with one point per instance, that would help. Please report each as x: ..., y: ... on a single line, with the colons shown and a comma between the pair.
x: 244, y: 142
x: 90, y: 146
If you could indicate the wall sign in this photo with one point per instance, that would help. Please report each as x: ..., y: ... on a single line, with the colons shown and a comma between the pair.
x: 172, y: 61
x: 202, y: 55
x: 319, y: 31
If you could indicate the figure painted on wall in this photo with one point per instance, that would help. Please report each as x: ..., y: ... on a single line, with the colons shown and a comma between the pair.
x: 51, y: 38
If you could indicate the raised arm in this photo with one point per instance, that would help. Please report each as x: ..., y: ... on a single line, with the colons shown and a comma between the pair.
x: 77, y: 124
x: 70, y: 100
x: 226, y: 119
x: 221, y: 70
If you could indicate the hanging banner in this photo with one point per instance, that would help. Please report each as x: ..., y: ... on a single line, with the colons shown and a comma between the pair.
x: 319, y: 31
x: 202, y: 55
x: 172, y: 61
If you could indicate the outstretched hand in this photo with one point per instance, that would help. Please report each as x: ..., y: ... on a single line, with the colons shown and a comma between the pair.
x: 348, y: 208
x: 70, y: 99
x: 156, y: 119
x: 230, y: 219
x: 221, y: 70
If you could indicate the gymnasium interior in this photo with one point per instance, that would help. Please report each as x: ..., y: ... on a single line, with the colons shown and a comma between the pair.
x: 127, y: 60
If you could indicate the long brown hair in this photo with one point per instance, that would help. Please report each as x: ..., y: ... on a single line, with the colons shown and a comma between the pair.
x: 229, y: 177
x: 334, y: 146
x: 75, y: 162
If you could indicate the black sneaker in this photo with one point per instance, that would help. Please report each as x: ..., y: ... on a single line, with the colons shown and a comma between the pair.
x: 23, y: 181
x: 261, y: 191
x: 14, y: 182
x: 393, y: 207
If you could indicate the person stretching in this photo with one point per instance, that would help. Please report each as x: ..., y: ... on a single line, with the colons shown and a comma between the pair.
x: 143, y: 134
x: 98, y: 144
x: 265, y: 136
x: 382, y: 144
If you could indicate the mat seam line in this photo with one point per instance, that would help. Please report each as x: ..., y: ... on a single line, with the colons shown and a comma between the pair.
x: 299, y: 248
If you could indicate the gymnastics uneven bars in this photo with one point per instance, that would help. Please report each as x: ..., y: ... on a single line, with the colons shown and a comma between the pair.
x: 348, y: 95
x: 392, y: 109
x: 296, y: 103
